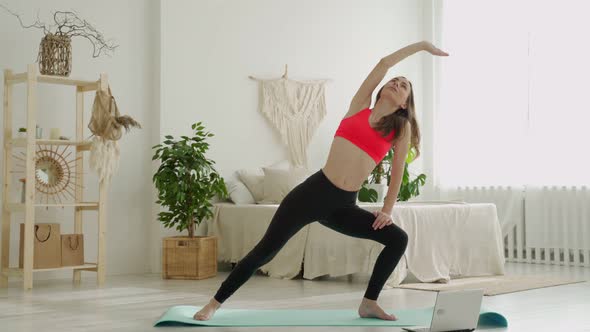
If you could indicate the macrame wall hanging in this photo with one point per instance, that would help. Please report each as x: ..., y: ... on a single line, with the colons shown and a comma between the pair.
x: 296, y: 109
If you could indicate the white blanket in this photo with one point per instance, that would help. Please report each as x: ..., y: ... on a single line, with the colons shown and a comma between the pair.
x: 239, y: 227
x: 446, y: 239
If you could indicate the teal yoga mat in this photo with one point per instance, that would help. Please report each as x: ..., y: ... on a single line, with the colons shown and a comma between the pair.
x: 183, y: 315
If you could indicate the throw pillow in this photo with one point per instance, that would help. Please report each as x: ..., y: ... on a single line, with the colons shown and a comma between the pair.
x: 253, y: 179
x: 278, y: 182
x: 238, y: 192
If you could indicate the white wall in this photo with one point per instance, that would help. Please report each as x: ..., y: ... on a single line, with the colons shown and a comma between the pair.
x: 133, y: 74
x: 186, y: 61
x: 431, y: 78
x: 209, y: 48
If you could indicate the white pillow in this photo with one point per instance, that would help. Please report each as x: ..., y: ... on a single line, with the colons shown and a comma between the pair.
x: 278, y: 182
x: 238, y: 192
x: 253, y: 179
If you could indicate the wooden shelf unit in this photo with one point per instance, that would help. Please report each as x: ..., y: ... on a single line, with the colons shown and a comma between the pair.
x: 31, y: 78
x: 22, y: 142
x: 18, y: 272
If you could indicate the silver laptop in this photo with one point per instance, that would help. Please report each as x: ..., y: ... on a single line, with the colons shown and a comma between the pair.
x: 454, y: 311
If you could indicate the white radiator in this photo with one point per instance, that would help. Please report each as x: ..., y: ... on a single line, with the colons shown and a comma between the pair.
x: 557, y: 223
x: 557, y: 219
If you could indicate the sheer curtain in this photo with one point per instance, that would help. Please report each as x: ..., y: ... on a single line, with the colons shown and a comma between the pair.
x: 513, y: 99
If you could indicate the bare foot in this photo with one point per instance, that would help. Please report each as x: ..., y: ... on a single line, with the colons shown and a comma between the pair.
x: 207, y: 311
x: 370, y: 308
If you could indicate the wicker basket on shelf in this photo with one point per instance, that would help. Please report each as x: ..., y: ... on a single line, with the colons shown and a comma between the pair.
x: 55, y: 55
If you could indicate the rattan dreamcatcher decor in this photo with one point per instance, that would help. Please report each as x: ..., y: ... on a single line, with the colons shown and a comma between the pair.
x: 55, y: 176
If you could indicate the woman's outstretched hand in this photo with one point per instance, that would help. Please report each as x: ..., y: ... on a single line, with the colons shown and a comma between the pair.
x: 428, y: 47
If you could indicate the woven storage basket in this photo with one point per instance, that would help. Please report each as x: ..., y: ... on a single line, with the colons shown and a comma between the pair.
x: 55, y: 55
x: 189, y: 258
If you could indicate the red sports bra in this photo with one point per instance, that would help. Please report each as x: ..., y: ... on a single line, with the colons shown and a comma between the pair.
x: 357, y: 130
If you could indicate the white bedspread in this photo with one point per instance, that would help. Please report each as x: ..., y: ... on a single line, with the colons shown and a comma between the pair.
x: 446, y: 240
x: 239, y: 227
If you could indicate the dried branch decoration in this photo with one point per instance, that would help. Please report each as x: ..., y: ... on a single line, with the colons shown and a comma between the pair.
x: 67, y: 25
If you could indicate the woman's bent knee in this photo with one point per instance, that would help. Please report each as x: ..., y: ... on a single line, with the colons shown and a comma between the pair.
x: 404, y: 238
x: 396, y: 236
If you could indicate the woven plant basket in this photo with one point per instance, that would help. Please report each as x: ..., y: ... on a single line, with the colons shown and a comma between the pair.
x: 55, y: 55
x: 189, y: 258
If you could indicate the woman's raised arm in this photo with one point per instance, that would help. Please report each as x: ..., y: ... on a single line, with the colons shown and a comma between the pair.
x: 362, y: 98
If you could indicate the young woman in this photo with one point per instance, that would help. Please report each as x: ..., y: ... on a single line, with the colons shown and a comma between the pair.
x: 329, y: 196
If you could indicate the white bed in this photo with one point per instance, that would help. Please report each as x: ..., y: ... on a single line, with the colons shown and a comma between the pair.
x: 446, y: 240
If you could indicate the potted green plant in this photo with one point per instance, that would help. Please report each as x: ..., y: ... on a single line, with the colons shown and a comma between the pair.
x: 22, y: 132
x: 187, y: 182
x: 375, y: 187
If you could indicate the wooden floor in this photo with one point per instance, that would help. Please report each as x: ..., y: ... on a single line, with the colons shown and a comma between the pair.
x: 135, y: 302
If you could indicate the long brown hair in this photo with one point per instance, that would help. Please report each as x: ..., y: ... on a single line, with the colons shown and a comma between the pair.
x: 397, y: 121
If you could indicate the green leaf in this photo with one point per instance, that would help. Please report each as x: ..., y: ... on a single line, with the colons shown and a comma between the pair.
x: 411, y: 156
x: 367, y: 195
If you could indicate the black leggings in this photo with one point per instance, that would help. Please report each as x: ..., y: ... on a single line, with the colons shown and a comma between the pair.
x: 318, y: 199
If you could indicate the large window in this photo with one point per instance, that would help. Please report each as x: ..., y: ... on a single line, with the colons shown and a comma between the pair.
x: 514, y: 102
